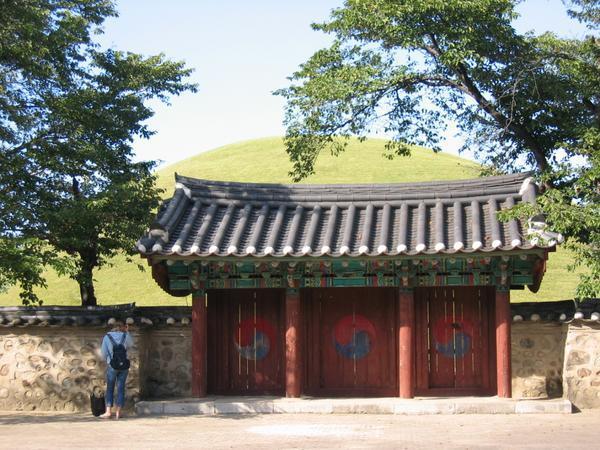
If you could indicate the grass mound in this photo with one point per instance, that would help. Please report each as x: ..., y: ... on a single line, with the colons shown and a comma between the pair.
x: 264, y: 160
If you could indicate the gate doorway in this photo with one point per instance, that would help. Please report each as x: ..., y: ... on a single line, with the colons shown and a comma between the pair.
x: 454, y: 342
x: 350, y: 342
x: 246, y: 342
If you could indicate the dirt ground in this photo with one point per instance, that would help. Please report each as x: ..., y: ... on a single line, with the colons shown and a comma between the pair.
x: 275, y: 431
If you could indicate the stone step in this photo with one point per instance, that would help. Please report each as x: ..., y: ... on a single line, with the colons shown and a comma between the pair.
x: 417, y: 406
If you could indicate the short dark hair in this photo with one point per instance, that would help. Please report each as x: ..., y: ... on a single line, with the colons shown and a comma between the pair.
x: 118, y: 325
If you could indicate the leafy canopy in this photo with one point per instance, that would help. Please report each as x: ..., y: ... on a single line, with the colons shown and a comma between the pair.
x: 71, y: 194
x: 409, y: 68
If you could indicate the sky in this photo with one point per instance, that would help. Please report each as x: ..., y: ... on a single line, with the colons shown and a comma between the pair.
x: 241, y: 51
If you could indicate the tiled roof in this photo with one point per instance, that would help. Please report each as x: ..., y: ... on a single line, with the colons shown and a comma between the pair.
x: 561, y: 311
x: 211, y: 218
x: 95, y: 316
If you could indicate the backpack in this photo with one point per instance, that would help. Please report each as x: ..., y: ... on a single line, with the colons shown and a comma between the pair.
x: 119, y: 360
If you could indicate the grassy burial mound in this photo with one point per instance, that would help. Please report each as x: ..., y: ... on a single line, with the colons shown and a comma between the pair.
x: 264, y: 160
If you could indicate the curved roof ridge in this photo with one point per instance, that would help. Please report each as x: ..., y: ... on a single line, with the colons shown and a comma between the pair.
x: 517, y: 178
x: 485, y: 186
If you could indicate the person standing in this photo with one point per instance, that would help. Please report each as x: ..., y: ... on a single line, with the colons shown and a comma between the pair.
x: 114, y: 350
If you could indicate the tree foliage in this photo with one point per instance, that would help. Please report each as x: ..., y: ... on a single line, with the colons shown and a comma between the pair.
x: 71, y: 194
x: 408, y: 68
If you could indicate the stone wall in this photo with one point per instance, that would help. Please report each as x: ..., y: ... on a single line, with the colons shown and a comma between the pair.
x: 167, y: 365
x: 537, y: 359
x: 581, y: 373
x: 553, y: 359
x: 56, y: 369
x: 50, y: 359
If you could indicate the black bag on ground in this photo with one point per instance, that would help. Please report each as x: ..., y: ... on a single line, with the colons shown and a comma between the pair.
x: 119, y: 360
x: 97, y: 404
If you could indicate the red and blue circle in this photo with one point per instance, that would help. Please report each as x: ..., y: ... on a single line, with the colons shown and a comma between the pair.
x: 354, y: 336
x: 254, y: 338
x: 452, y: 338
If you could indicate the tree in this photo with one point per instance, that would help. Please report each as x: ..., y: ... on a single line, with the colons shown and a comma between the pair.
x: 71, y: 195
x: 411, y: 67
x: 40, y: 44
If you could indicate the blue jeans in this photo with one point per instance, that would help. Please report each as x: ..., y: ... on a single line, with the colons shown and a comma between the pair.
x: 119, y: 377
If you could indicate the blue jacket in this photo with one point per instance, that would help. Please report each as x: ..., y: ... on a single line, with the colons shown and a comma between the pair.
x: 107, y: 345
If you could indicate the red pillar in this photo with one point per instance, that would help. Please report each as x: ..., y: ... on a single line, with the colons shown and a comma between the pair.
x: 406, y: 343
x: 503, y: 320
x: 199, y: 348
x: 292, y: 344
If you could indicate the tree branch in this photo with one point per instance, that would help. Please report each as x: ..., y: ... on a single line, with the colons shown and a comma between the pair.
x: 468, y: 86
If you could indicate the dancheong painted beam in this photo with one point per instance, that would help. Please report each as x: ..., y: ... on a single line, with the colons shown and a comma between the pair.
x: 515, y: 271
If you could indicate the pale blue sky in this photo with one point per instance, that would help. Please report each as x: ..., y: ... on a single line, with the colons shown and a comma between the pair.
x: 242, y: 51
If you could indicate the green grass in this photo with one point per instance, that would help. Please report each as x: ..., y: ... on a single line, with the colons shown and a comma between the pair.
x: 558, y: 283
x: 264, y: 160
x: 120, y: 283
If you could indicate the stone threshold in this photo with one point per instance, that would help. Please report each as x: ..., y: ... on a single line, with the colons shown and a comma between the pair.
x: 307, y: 405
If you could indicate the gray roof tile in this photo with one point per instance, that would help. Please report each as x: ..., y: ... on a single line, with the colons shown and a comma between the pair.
x: 208, y: 218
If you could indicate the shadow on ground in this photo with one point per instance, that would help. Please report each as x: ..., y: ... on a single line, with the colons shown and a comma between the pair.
x: 29, y: 418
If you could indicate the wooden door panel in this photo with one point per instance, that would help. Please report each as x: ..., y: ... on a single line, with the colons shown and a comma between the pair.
x: 453, y: 339
x: 442, y: 342
x: 352, y: 331
x: 379, y: 369
x: 246, y: 342
x: 337, y: 365
x: 470, y: 314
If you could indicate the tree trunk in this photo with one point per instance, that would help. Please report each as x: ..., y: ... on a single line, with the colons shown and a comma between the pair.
x: 85, y: 279
x: 88, y: 297
x: 86, y: 289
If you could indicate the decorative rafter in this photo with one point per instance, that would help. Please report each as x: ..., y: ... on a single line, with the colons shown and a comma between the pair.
x: 501, y: 271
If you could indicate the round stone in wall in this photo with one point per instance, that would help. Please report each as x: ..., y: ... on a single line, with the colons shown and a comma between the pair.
x: 526, y: 343
x: 82, y: 382
x: 44, y: 347
x: 8, y: 345
x: 167, y: 354
x: 577, y: 358
x: 45, y: 404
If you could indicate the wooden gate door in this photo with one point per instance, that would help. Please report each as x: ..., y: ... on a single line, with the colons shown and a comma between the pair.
x: 246, y: 342
x: 350, y: 342
x: 453, y: 340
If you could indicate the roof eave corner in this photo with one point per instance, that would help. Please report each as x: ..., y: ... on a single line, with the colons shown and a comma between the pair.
x: 160, y: 273
x: 539, y: 269
x: 180, y: 183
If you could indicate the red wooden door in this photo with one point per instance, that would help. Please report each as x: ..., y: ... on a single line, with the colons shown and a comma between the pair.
x: 453, y: 344
x: 246, y: 342
x: 350, y: 341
